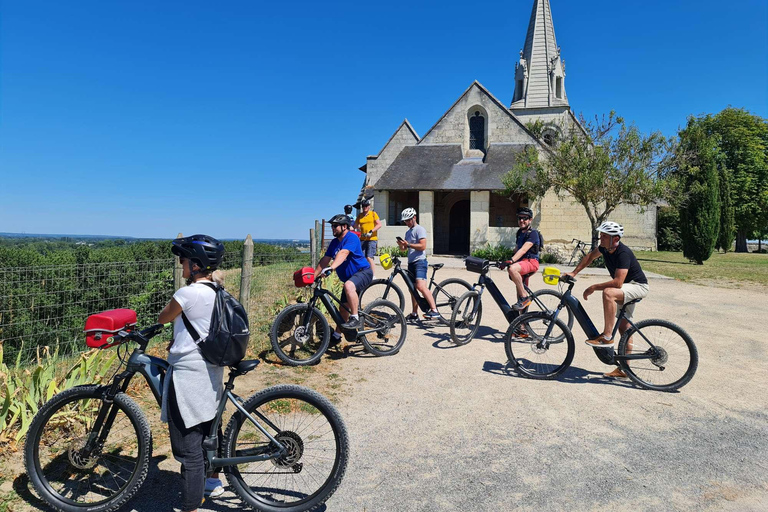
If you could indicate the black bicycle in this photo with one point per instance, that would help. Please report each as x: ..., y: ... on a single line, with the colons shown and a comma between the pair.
x: 89, y: 447
x: 445, y: 293
x: 579, y: 250
x: 466, y: 315
x: 655, y: 354
x: 300, y: 334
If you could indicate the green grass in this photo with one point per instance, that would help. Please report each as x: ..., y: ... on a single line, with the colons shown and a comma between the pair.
x: 728, y: 270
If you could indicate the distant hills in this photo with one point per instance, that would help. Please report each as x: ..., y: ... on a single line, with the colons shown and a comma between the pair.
x: 91, y: 238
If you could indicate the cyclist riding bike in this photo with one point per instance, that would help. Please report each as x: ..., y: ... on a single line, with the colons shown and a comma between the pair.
x: 345, y: 256
x: 193, y: 386
x: 416, y: 243
x: 628, y: 282
x: 526, y: 257
x: 368, y: 224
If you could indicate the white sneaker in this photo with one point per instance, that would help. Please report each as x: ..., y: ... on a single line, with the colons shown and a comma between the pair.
x: 214, y: 487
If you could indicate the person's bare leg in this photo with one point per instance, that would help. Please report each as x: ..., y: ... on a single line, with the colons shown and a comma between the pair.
x: 611, y: 296
x: 517, y: 278
x: 421, y: 286
x: 352, y: 299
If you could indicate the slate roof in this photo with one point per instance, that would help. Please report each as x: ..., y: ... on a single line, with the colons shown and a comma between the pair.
x: 441, y: 167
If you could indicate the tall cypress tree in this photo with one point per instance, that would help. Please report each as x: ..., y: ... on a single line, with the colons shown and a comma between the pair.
x: 727, y: 233
x: 697, y: 166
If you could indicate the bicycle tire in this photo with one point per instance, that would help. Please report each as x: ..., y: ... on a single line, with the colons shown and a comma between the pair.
x: 317, y: 435
x: 446, y: 293
x: 303, y: 349
x: 551, y: 305
x: 389, y: 341
x: 53, y: 445
x: 533, y: 361
x: 378, y: 290
x: 671, y: 340
x: 465, y: 321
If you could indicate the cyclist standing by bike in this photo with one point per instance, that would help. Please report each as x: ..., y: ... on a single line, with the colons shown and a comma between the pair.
x: 345, y: 256
x: 526, y: 257
x: 416, y: 243
x: 628, y: 282
x: 368, y: 224
x: 193, y: 387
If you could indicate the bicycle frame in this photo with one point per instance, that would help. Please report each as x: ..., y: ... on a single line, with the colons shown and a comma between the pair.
x: 485, y: 281
x: 409, y: 283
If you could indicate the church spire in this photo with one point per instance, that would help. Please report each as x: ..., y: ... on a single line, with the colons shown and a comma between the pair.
x: 540, y: 72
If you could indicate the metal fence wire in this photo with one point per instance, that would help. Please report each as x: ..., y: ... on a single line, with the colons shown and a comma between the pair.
x: 48, y: 305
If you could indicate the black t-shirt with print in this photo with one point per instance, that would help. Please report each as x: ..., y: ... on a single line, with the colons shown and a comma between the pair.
x: 623, y: 257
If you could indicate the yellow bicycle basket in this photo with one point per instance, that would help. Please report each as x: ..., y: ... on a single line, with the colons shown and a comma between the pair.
x: 386, y: 261
x: 551, y: 275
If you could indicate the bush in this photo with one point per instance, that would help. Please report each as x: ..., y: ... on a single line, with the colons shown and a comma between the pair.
x: 669, y: 229
x: 392, y: 251
x: 494, y: 253
x: 550, y: 257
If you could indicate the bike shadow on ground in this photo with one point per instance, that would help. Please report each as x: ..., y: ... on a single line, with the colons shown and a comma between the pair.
x: 573, y: 375
x: 443, y: 338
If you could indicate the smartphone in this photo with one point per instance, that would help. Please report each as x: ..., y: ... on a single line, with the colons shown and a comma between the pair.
x: 399, y: 239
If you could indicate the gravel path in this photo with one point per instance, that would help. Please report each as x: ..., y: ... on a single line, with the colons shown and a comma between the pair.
x: 439, y: 427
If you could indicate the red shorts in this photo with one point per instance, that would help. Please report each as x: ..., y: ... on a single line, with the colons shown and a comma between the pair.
x: 528, y: 266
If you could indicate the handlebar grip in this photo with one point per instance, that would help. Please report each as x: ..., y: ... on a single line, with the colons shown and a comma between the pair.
x: 567, y: 279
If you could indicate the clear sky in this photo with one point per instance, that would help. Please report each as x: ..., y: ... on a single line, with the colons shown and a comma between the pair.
x: 149, y: 118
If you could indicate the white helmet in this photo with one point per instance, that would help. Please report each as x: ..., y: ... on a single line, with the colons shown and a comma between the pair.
x: 611, y: 228
x: 408, y: 213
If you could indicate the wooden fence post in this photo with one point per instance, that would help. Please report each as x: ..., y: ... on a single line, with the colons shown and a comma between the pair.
x: 319, y: 238
x: 245, y: 275
x: 178, y: 271
x: 313, y: 247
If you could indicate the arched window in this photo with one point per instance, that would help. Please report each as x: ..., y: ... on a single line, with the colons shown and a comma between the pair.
x: 477, y: 132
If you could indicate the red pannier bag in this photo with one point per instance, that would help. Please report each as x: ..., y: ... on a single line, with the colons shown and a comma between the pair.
x: 100, y: 328
x: 304, y: 277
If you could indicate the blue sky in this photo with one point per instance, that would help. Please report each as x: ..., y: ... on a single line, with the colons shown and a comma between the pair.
x: 152, y: 118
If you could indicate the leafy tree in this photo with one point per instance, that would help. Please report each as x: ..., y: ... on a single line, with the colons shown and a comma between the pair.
x: 668, y: 229
x: 696, y: 165
x: 602, y: 166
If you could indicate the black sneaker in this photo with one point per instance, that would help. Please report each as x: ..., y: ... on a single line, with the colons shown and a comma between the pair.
x: 412, y: 317
x: 352, y: 323
x: 334, y: 341
x: 521, y: 304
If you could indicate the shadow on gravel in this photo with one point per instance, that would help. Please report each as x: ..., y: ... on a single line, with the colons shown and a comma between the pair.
x: 573, y: 375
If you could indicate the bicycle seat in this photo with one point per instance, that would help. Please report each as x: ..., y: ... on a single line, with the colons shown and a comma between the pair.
x: 437, y: 266
x: 529, y: 274
x: 244, y: 367
x: 631, y: 302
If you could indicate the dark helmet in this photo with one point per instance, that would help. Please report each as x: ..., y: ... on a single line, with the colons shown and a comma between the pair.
x: 348, y: 208
x: 525, y: 212
x: 204, y: 250
x: 341, y: 219
x: 365, y: 202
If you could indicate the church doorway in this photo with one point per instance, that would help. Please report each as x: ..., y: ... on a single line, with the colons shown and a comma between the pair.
x: 458, y: 228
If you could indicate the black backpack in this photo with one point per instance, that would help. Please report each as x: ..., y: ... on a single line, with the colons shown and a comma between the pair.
x: 228, y: 335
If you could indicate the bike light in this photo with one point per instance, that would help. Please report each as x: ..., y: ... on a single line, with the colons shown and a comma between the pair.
x: 551, y: 275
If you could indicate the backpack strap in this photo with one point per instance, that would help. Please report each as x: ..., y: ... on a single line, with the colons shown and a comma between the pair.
x: 188, y: 324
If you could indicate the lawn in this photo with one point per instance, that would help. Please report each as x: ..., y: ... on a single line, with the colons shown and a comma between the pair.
x: 729, y: 270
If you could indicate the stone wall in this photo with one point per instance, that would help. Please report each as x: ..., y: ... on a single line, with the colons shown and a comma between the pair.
x: 479, y: 203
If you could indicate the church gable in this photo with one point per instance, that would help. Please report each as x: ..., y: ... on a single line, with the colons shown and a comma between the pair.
x: 460, y: 124
x: 403, y: 137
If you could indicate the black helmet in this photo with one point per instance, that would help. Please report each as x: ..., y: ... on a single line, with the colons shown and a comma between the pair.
x: 348, y: 208
x: 525, y: 212
x: 204, y: 250
x: 341, y: 219
x: 365, y: 202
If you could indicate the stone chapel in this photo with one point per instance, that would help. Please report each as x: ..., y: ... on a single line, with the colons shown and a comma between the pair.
x: 451, y: 172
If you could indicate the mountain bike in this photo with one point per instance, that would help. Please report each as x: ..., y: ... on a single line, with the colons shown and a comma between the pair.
x: 655, y: 354
x: 578, y: 250
x: 466, y: 315
x: 300, y: 334
x: 89, y: 447
x: 445, y: 293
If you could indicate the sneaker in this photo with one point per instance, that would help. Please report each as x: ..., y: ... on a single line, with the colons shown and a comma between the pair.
x: 600, y: 342
x: 432, y: 314
x: 335, y: 340
x: 412, y: 317
x: 520, y: 332
x: 616, y: 374
x: 214, y: 487
x: 352, y: 323
x: 521, y: 304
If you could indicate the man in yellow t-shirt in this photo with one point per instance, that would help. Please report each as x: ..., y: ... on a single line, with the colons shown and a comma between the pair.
x: 368, y: 224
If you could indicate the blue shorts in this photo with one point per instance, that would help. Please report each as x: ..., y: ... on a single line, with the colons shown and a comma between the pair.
x: 369, y: 248
x: 418, y: 268
x: 362, y: 278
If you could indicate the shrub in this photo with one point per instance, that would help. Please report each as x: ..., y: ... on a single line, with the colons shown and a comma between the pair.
x: 669, y: 229
x: 549, y: 257
x: 494, y: 253
x: 392, y: 251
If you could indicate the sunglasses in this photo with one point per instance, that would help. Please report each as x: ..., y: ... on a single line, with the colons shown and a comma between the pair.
x: 523, y: 218
x: 334, y: 225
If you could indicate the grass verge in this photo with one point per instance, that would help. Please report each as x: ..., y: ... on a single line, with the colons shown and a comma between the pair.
x: 726, y: 270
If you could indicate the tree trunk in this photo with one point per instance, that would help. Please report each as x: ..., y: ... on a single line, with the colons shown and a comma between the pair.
x: 741, y: 241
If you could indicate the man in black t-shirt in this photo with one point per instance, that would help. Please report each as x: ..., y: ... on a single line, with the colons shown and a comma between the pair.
x: 628, y: 282
x: 525, y: 260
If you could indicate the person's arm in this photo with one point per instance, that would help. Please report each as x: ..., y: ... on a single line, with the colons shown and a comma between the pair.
x: 584, y: 263
x: 171, y: 311
x: 523, y: 250
x: 376, y: 225
x: 322, y: 264
x: 421, y: 245
x: 339, y: 259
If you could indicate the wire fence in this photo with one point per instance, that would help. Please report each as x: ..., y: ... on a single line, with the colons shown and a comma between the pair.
x: 47, y: 305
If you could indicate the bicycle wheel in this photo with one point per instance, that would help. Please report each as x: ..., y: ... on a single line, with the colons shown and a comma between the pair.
x: 390, y: 326
x: 675, y: 358
x: 69, y: 478
x: 465, y: 318
x: 446, y: 294
x: 378, y: 290
x: 546, y: 301
x: 310, y: 428
x: 293, y: 342
x: 532, y: 352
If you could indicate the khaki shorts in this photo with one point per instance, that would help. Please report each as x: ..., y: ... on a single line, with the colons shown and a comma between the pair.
x: 632, y: 291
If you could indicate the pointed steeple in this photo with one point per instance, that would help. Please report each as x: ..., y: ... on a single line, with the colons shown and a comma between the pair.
x: 540, y: 72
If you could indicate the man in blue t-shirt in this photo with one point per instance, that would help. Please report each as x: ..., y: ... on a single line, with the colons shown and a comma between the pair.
x: 345, y: 256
